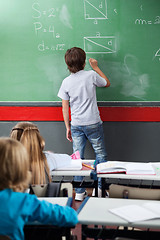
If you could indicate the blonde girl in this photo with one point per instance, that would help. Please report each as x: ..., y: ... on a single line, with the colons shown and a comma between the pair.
x: 18, y: 208
x: 28, y: 134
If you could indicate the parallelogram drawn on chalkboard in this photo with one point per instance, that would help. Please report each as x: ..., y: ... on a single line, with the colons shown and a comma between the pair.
x: 95, y: 9
x: 105, y: 44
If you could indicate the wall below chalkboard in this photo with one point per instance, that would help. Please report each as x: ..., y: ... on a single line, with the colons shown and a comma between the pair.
x: 122, y: 35
x: 126, y: 141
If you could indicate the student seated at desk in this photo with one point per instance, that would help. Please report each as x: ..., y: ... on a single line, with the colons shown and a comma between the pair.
x: 41, y: 162
x: 18, y: 208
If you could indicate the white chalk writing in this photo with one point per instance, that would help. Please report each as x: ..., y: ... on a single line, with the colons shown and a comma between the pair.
x: 41, y: 27
x: 95, y: 12
x: 38, y: 13
x: 100, y: 44
x: 141, y: 21
x: 43, y: 47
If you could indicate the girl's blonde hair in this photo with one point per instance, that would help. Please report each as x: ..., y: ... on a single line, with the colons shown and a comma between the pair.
x: 28, y: 134
x: 14, y: 165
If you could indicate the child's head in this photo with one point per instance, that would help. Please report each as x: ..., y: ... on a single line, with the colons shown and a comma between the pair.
x: 75, y: 59
x: 28, y: 134
x: 14, y: 165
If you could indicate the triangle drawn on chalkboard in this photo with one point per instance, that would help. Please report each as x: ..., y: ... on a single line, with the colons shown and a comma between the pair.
x: 99, y: 44
x: 93, y: 12
x: 157, y: 53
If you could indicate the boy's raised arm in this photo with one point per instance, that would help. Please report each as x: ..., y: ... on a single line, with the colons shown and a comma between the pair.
x: 65, y: 110
x: 94, y: 64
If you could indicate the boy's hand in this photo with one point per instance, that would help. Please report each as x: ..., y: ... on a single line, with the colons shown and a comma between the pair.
x: 93, y: 62
x: 69, y: 135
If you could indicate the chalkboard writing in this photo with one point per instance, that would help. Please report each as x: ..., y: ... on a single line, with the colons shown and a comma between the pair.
x: 122, y: 35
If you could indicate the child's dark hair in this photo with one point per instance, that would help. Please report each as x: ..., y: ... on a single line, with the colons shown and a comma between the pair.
x: 75, y: 59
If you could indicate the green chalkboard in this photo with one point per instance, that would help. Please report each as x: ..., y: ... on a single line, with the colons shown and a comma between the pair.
x: 123, y: 35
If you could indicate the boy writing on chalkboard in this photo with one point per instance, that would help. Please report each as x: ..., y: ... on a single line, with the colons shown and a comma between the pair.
x: 80, y: 89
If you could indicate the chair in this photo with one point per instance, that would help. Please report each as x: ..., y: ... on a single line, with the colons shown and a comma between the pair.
x: 53, y: 189
x: 121, y: 191
x: 46, y: 190
x: 66, y: 190
x: 2, y: 237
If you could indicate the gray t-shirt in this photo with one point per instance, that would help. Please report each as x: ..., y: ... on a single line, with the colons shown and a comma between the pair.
x: 80, y: 89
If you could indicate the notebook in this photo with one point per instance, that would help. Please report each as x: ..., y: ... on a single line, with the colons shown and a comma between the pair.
x: 125, y: 167
x: 135, y: 213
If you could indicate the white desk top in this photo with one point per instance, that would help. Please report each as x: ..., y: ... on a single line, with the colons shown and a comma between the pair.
x: 95, y: 211
x: 85, y: 173
x: 63, y: 201
x: 128, y: 176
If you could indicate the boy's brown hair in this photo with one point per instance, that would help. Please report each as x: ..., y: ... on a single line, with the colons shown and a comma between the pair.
x: 75, y: 59
x: 14, y: 162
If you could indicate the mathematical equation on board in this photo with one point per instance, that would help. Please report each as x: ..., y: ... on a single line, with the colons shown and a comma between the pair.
x: 142, y: 21
x: 94, y: 10
x: 156, y: 20
x: 42, y: 27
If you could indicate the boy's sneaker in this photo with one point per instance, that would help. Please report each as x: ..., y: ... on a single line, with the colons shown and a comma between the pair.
x: 81, y: 196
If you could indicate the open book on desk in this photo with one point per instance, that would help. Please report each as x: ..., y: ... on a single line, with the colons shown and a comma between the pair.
x: 135, y: 213
x: 125, y: 167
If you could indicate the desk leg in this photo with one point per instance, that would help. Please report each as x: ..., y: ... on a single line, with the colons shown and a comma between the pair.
x: 103, y: 187
x: 83, y: 232
x: 96, y: 187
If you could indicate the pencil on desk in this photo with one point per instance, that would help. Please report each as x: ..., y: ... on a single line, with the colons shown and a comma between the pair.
x: 85, y: 165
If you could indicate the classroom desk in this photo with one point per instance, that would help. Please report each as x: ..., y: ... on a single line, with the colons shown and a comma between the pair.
x: 89, y: 177
x: 37, y: 231
x: 94, y: 211
x: 148, y: 181
x: 62, y: 201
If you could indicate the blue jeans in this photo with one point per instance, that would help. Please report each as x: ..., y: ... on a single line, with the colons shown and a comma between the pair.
x: 94, y: 133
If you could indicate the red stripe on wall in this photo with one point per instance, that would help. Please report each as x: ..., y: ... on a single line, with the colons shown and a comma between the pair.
x: 129, y: 114
x: 118, y: 114
x: 9, y: 113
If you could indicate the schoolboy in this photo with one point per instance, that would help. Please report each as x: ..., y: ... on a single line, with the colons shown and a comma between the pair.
x: 79, y: 88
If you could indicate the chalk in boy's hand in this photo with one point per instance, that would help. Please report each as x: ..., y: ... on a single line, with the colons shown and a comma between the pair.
x: 93, y: 62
